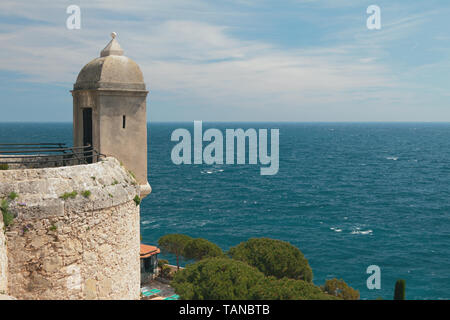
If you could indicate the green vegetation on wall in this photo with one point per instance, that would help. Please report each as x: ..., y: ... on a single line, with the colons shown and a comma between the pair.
x: 13, y: 196
x: 68, y: 195
x: 137, y: 200
x: 8, y: 217
x: 86, y: 193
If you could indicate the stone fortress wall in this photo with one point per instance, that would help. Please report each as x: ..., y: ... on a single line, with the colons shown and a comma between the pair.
x: 3, y: 260
x: 65, y: 245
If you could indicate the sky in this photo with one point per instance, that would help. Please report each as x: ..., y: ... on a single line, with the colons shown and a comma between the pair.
x: 238, y: 60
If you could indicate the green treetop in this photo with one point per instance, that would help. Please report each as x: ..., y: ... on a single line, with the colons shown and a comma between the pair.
x: 272, y: 288
x: 216, y: 279
x: 339, y: 288
x: 199, y: 248
x: 273, y: 258
x: 174, y: 243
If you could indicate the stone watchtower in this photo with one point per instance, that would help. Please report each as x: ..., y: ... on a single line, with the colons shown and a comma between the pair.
x: 109, y: 110
x: 73, y: 229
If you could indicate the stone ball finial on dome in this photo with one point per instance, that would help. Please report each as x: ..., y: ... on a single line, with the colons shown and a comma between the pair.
x: 113, y: 47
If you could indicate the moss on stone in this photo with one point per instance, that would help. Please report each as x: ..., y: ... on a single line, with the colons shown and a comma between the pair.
x: 68, y: 195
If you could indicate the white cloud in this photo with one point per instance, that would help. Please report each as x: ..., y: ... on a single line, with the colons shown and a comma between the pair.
x: 196, y: 61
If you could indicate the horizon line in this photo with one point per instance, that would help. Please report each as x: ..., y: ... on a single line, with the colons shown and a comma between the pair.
x: 219, y: 121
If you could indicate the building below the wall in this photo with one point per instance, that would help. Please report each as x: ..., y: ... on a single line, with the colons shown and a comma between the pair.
x: 149, y: 262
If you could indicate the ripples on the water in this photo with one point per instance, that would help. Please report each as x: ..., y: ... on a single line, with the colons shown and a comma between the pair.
x: 348, y: 195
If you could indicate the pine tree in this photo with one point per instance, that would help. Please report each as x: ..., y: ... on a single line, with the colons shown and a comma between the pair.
x: 399, y: 293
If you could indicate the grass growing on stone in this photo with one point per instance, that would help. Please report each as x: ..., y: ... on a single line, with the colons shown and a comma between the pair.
x: 53, y: 227
x: 68, y: 195
x: 8, y: 217
x: 137, y: 200
x: 133, y: 176
x: 12, y: 196
x: 86, y: 193
x: 115, y: 182
x: 4, y: 166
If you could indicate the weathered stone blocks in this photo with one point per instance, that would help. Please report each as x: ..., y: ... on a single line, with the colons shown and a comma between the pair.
x: 84, y: 246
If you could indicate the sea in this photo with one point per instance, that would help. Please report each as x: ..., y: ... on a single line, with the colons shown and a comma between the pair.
x: 348, y: 195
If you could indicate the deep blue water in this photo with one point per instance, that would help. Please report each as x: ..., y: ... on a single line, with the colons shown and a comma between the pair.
x: 347, y: 195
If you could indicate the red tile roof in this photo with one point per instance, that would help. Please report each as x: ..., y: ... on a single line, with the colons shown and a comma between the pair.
x: 148, y: 251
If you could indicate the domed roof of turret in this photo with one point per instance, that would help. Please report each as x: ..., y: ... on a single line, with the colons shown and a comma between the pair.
x: 112, y: 70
